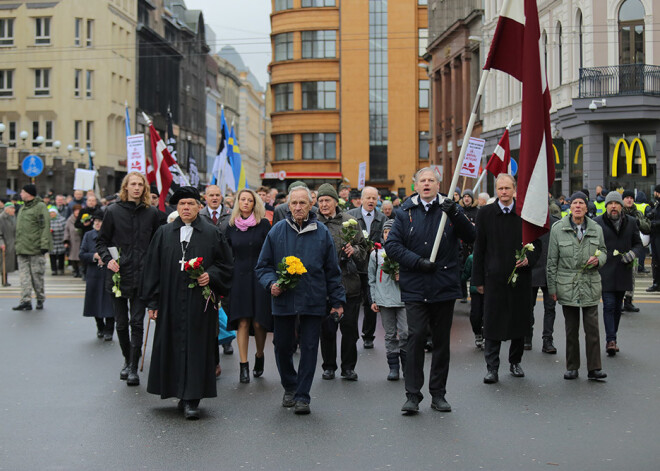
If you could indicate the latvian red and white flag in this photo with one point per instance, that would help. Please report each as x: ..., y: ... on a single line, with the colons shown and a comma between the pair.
x: 159, y: 172
x: 516, y: 50
x: 501, y: 158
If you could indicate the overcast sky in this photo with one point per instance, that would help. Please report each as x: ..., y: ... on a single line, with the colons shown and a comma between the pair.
x: 244, y: 24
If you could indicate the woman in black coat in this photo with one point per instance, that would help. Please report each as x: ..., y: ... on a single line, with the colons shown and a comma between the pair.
x: 249, y: 307
x: 98, y: 300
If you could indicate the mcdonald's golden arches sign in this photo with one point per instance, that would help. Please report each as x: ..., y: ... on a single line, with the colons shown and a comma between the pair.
x: 629, y: 155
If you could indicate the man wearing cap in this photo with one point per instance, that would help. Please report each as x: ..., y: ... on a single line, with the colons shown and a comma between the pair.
x: 33, y: 241
x: 128, y: 227
x: 8, y: 240
x: 644, y: 225
x: 428, y: 289
x: 183, y: 359
x: 621, y: 235
x: 351, y: 256
x: 282, y: 210
x: 654, y: 217
x: 576, y: 250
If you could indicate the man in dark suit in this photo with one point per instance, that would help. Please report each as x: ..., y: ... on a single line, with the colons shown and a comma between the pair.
x: 370, y: 220
x: 216, y: 213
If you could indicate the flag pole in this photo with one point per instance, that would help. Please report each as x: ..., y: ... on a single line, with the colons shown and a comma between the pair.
x: 461, y: 158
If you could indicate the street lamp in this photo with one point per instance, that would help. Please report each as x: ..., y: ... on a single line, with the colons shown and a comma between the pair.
x: 2, y: 130
x: 39, y: 140
x: 23, y: 135
x: 57, y: 145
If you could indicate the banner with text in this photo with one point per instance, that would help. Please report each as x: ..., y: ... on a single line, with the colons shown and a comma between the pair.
x: 137, y: 161
x: 475, y: 150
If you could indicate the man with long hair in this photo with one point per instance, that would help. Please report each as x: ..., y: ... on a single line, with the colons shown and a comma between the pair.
x: 129, y: 226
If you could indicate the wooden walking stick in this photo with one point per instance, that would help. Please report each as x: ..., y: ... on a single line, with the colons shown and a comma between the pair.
x: 144, y: 350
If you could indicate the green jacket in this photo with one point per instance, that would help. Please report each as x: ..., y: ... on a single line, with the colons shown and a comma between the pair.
x: 642, y: 221
x: 566, y: 259
x: 33, y: 228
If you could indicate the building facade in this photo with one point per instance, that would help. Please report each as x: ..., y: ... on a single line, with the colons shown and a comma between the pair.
x: 349, y: 86
x: 455, y: 28
x: 68, y: 68
x: 600, y: 58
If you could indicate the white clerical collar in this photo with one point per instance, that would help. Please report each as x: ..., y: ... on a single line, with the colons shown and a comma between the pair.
x: 186, y: 233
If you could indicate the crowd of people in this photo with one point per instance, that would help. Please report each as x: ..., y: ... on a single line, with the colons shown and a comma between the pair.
x: 304, y: 264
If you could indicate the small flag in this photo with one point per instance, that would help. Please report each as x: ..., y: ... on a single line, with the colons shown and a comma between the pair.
x: 162, y: 160
x: 127, y: 121
x: 237, y: 162
x: 499, y: 162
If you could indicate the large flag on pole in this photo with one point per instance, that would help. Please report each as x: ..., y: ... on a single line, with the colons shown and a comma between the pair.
x: 162, y: 161
x: 237, y: 162
x: 501, y: 158
x: 515, y: 50
x: 193, y: 173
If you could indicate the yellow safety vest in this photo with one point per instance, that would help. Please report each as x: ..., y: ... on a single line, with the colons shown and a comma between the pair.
x: 642, y: 207
x: 600, y: 207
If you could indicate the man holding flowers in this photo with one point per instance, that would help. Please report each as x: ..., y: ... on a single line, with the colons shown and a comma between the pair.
x: 188, y: 266
x: 575, y: 252
x: 313, y: 292
x: 501, y: 271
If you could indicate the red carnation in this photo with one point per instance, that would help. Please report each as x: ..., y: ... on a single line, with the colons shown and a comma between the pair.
x: 378, y: 246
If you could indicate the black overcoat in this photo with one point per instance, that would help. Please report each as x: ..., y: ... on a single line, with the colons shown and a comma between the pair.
x: 506, y: 308
x: 616, y: 275
x: 250, y: 299
x: 183, y: 356
x: 98, y: 300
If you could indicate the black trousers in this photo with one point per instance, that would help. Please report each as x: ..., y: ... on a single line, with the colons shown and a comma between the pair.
x: 349, y: 337
x: 549, y: 313
x: 370, y: 317
x: 57, y: 263
x: 421, y: 316
x: 492, y: 352
x: 105, y: 324
x: 136, y: 322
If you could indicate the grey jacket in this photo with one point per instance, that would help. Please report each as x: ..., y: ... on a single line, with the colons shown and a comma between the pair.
x: 384, y: 290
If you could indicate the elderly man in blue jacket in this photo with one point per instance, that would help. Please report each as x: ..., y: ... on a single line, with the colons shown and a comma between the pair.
x: 429, y: 289
x: 300, y: 235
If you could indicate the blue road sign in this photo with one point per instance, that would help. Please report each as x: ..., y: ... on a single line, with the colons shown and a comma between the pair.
x: 513, y: 166
x: 32, y: 165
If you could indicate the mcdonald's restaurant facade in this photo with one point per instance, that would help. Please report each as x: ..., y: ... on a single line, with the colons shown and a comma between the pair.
x: 613, y: 145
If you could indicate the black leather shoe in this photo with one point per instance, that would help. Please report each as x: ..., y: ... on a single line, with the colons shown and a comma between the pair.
x: 99, y: 334
x: 244, y: 376
x: 411, y: 406
x: 516, y: 370
x: 652, y: 289
x: 107, y: 337
x: 368, y: 344
x: 258, y: 366
x: 528, y: 344
x: 571, y: 374
x: 548, y: 347
x: 190, y: 412
x: 596, y: 375
x: 227, y: 349
x: 133, y: 379
x: 440, y: 404
x: 328, y: 374
x: 301, y: 408
x: 123, y: 374
x: 350, y: 375
x: 288, y: 399
x: 491, y: 377
x: 40, y: 305
x: 628, y: 306
x: 23, y: 307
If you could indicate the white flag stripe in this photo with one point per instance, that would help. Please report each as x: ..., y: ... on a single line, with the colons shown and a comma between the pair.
x: 515, y: 10
x: 500, y: 152
x: 535, y: 207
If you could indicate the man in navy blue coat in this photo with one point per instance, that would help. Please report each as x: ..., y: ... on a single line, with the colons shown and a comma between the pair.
x: 300, y: 235
x: 429, y: 289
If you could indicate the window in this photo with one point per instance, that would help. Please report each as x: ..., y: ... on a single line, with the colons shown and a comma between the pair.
x: 631, y: 32
x: 6, y: 31
x: 317, y: 44
x: 77, y: 130
x: 559, y: 54
x: 422, y: 2
x: 89, y: 134
x: 35, y: 133
x: 41, y: 82
x: 90, y: 33
x: 580, y: 39
x: 319, y: 95
x: 423, y: 93
x: 42, y: 30
x: 12, y: 133
x: 284, y: 147
x: 77, y: 77
x: 283, y: 46
x: 319, y: 146
x: 283, y: 5
x: 283, y: 96
x: 77, y: 26
x: 6, y: 83
x: 423, y: 34
x: 318, y: 3
x: 423, y: 145
x: 49, y: 134
x: 88, y: 83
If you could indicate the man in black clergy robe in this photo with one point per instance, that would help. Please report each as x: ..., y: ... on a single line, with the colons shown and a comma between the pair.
x: 183, y: 357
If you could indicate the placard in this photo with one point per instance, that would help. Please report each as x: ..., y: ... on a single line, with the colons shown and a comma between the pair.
x: 362, y: 176
x: 136, y: 161
x: 472, y: 161
x: 84, y: 179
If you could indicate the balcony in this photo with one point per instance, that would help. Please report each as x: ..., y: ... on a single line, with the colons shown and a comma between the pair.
x: 622, y: 80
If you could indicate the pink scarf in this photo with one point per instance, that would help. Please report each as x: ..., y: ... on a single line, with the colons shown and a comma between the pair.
x: 243, y: 224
